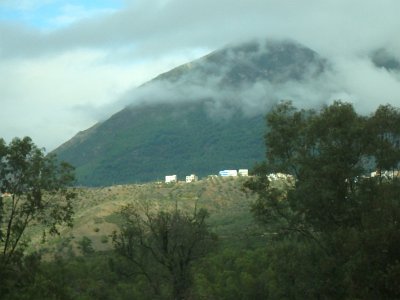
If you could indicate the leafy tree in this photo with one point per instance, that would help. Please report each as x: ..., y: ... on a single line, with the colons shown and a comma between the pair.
x: 85, y: 245
x: 352, y: 217
x: 384, y: 126
x: 163, y: 244
x: 33, y: 190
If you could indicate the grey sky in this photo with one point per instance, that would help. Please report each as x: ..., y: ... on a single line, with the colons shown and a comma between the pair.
x: 59, y: 79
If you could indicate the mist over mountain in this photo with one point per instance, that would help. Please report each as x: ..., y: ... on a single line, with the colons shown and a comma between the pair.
x: 201, y: 117
x: 246, y: 77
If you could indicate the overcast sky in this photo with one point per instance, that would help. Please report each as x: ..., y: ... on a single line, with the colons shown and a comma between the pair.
x: 64, y: 65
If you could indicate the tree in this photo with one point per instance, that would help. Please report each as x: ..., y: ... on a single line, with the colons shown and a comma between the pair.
x: 163, y: 243
x: 85, y: 245
x: 33, y: 190
x: 384, y: 125
x: 335, y: 203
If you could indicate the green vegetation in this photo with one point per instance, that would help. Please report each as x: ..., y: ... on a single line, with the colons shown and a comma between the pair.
x: 33, y: 190
x: 328, y: 231
x: 80, y: 265
x: 164, y: 244
x: 144, y: 144
x: 97, y: 211
x: 337, y: 224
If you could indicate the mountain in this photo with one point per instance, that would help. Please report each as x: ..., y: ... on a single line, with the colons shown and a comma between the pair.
x: 275, y: 61
x: 382, y: 58
x: 145, y: 144
x: 198, y: 118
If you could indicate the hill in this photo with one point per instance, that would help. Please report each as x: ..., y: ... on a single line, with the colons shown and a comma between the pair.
x: 96, y: 211
x: 199, y: 118
x: 148, y: 143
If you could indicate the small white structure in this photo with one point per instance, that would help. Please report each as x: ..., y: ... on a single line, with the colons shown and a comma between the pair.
x: 386, y: 174
x: 280, y: 176
x: 226, y: 173
x: 374, y: 174
x: 243, y: 172
x: 191, y: 178
x: 170, y: 178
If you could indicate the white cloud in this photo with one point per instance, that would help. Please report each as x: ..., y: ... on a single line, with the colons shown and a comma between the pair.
x: 70, y: 14
x: 52, y: 98
x: 57, y: 82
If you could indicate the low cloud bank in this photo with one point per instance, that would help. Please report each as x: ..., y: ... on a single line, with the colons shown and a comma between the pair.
x: 323, y: 80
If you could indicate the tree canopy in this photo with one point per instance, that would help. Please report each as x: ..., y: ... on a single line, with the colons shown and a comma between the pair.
x: 33, y: 191
x: 163, y: 244
x: 335, y: 203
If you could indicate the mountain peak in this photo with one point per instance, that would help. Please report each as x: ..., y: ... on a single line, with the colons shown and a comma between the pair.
x: 271, y: 60
x: 199, y: 118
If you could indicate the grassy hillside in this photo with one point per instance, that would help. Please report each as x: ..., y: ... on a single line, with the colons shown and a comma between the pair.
x: 96, y: 209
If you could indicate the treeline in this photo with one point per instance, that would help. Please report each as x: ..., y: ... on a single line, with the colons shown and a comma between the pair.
x: 330, y: 232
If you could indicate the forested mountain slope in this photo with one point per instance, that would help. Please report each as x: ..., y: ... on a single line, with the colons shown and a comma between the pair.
x: 199, y: 118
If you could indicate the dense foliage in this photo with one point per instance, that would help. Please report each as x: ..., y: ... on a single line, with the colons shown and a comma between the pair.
x: 164, y: 244
x: 33, y: 190
x: 336, y: 206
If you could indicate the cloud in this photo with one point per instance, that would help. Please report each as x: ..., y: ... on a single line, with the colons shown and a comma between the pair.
x: 245, y: 79
x: 251, y: 98
x: 353, y: 79
x: 156, y: 27
x: 37, y: 98
x: 70, y: 75
x: 52, y: 98
x: 70, y: 14
x: 367, y: 86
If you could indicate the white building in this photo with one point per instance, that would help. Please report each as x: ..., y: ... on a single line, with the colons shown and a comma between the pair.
x: 191, y: 178
x: 386, y: 174
x: 280, y: 176
x: 226, y: 173
x: 170, y: 178
x: 243, y: 172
